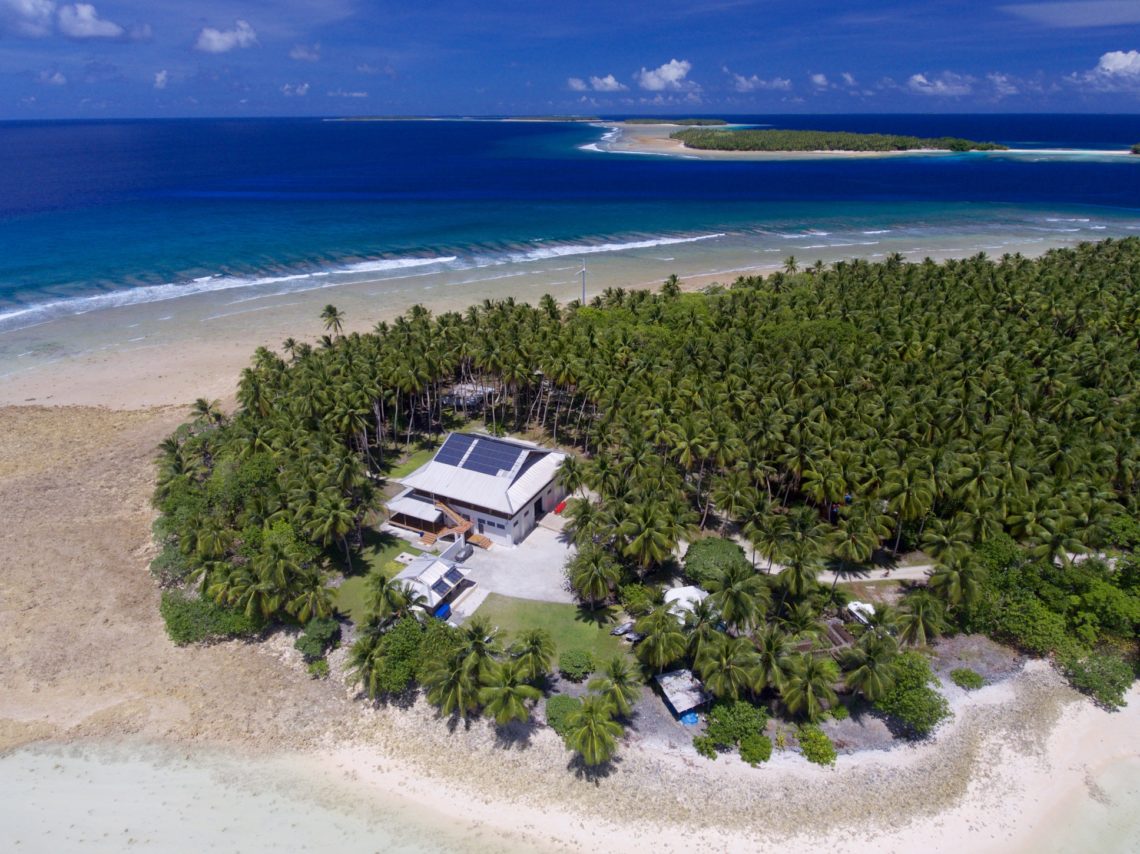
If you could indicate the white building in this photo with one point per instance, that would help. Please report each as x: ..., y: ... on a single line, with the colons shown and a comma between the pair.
x: 480, y: 487
x: 438, y: 580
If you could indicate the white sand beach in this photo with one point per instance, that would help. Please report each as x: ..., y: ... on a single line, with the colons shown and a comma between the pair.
x: 655, y: 139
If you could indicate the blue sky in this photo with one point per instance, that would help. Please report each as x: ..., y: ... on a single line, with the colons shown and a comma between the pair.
x: 345, y: 57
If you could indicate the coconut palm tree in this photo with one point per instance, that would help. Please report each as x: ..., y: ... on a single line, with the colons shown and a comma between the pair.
x: 920, y: 618
x: 740, y: 595
x: 663, y: 641
x: 807, y: 689
x: 333, y: 319
x: 533, y: 649
x: 774, y: 649
x: 870, y: 665
x: 505, y: 692
x: 619, y: 684
x: 389, y: 599
x: 702, y: 623
x: 453, y: 686
x: 593, y: 574
x: 592, y: 731
x: 957, y: 581
x: 730, y: 667
x: 478, y: 646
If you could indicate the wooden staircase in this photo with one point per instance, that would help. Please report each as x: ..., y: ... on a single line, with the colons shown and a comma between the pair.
x: 479, y: 540
x: 461, y: 526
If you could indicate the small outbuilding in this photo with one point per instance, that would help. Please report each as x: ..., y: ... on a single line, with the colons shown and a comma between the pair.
x: 682, y: 600
x: 439, y: 581
x: 682, y: 691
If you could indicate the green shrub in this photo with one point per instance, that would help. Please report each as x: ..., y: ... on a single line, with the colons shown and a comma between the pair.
x: 815, y: 745
x: 912, y: 702
x: 438, y: 642
x: 705, y: 746
x: 1028, y: 624
x: 319, y: 669
x: 558, y: 709
x: 195, y: 620
x: 755, y: 749
x: 637, y: 599
x: 730, y: 722
x: 400, y: 648
x: 1000, y: 553
x: 171, y: 566
x: 320, y: 635
x: 708, y: 558
x: 1103, y: 676
x: 966, y: 678
x: 840, y: 712
x: 576, y: 664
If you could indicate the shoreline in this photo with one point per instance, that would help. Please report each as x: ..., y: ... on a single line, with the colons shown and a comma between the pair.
x: 655, y: 140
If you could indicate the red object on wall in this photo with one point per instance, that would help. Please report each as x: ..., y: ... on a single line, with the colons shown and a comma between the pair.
x: 561, y: 506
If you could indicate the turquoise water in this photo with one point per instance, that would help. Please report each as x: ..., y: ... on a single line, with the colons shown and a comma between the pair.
x: 122, y: 213
x: 102, y: 798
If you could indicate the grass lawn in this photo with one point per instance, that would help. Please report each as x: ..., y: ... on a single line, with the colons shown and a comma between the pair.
x: 572, y: 627
x: 378, y: 555
x: 422, y: 453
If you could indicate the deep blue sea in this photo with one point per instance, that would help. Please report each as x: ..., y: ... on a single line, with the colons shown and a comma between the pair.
x: 141, y: 210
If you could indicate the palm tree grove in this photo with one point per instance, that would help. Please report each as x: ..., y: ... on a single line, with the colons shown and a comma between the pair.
x: 768, y: 442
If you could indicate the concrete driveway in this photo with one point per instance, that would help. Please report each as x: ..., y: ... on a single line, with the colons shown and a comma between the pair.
x: 532, y: 570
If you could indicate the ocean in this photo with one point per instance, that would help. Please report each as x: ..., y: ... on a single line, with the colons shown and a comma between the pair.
x: 115, y: 213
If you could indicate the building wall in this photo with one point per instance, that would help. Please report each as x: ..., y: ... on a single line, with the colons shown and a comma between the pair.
x: 515, y: 529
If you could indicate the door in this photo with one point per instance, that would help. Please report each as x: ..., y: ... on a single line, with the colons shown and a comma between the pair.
x: 480, y: 526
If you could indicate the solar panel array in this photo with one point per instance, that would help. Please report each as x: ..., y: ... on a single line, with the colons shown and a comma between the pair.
x: 453, y: 575
x: 454, y: 448
x: 487, y: 456
x: 491, y: 457
x: 441, y: 587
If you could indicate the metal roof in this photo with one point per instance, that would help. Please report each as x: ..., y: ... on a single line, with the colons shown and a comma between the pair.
x: 498, y: 474
x: 682, y: 690
x: 417, y: 508
x: 432, y: 577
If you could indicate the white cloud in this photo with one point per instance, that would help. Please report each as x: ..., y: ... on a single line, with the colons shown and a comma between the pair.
x: 300, y: 90
x: 211, y: 40
x: 755, y: 83
x: 668, y: 77
x: 945, y: 85
x: 306, y: 52
x: 81, y: 21
x: 609, y: 83
x: 819, y: 81
x: 29, y: 18
x: 1004, y: 85
x: 577, y: 84
x: 161, y: 78
x: 1073, y: 15
x: 340, y: 93
x: 849, y: 79
x: 53, y: 78
x: 1116, y: 71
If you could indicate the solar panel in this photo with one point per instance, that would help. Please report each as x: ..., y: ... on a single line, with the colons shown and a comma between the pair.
x: 453, y: 575
x: 454, y: 449
x: 491, y: 457
x: 441, y: 587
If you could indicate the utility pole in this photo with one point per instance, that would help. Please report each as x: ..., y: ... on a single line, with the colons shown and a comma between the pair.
x: 583, y: 282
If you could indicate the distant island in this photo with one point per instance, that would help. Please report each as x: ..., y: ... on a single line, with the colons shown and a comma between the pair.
x: 689, y: 122
x: 811, y: 140
x: 1136, y: 148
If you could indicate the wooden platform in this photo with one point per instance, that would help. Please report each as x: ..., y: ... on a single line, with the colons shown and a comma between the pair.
x: 479, y: 540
